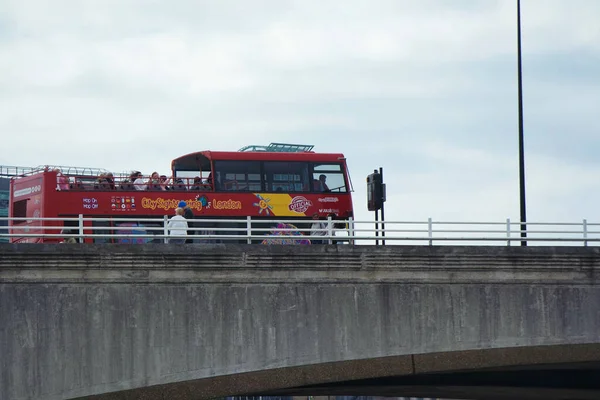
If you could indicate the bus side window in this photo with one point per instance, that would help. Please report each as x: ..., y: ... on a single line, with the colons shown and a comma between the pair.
x: 286, y: 176
x: 243, y: 176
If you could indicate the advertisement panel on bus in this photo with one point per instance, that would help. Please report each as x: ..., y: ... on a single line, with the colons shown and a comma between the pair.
x: 202, y: 204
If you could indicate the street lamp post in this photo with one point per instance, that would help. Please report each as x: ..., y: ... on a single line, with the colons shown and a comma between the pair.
x: 521, y: 151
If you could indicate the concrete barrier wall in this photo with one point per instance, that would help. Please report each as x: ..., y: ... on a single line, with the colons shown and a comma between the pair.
x: 83, y: 320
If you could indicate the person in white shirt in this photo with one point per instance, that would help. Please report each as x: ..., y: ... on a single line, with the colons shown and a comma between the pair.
x: 177, y: 226
x: 139, y: 183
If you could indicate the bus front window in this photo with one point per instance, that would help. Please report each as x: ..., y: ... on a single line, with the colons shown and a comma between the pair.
x: 328, y: 178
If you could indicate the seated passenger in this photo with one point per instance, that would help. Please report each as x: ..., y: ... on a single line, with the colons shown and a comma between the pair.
x: 164, y: 183
x: 197, y: 184
x: 153, y: 182
x: 101, y: 183
x: 139, y: 183
x: 207, y: 182
x: 179, y: 185
x: 77, y: 185
x: 110, y: 181
x: 126, y: 184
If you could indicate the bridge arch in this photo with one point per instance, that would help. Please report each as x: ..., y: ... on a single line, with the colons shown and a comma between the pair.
x: 553, y: 371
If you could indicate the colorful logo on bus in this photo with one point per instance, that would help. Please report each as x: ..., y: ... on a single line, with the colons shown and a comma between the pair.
x: 263, y: 205
x: 300, y: 204
x: 117, y: 203
x: 203, y: 200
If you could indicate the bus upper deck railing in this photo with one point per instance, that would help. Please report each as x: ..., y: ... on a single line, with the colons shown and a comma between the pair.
x: 8, y: 171
x: 18, y: 172
x: 79, y: 179
x: 279, y: 231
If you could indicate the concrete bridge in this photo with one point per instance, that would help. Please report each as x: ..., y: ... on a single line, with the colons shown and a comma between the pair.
x: 194, y: 322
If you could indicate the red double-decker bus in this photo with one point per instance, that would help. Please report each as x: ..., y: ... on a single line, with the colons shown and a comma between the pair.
x: 279, y: 181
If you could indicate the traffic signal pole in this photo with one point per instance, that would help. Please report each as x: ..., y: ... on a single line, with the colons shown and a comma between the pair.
x: 376, y: 227
x: 375, y: 201
x: 382, y: 212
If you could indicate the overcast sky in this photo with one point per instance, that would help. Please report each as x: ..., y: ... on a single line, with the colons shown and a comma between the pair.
x: 426, y: 89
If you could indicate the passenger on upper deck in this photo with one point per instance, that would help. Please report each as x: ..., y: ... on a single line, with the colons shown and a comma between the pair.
x: 110, y: 180
x: 154, y: 182
x: 62, y: 182
x: 101, y: 182
x: 139, y: 183
x: 105, y: 182
x: 179, y: 184
x: 127, y: 183
x: 197, y: 184
x: 208, y: 181
x: 164, y: 182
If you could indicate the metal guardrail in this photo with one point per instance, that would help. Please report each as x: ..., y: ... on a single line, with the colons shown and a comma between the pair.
x: 273, y: 231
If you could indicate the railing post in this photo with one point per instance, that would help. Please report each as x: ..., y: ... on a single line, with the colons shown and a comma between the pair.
x: 249, y: 229
x: 329, y: 229
x: 430, y: 230
x: 165, y: 229
x: 80, y: 228
x: 351, y: 230
x: 508, y: 231
x: 585, y: 232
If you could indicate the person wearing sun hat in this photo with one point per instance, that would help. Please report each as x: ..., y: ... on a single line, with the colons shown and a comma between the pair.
x: 189, y: 215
